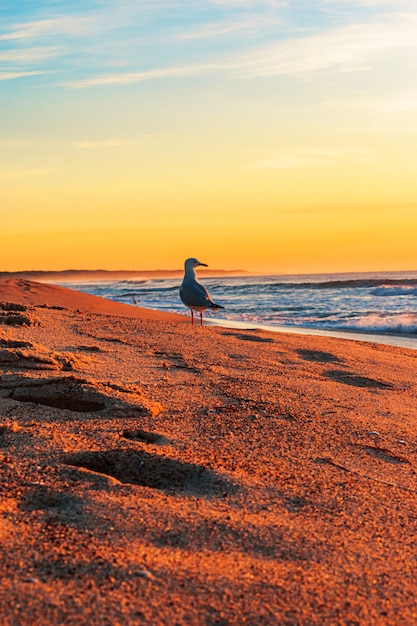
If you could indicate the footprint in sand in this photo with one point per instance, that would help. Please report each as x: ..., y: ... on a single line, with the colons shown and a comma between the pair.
x: 75, y: 394
x: 148, y: 470
x: 43, y: 498
x: 12, y: 314
x: 318, y: 356
x: 144, y: 437
x: 26, y: 355
x: 255, y: 338
x: 348, y: 378
x: 12, y: 343
x: 12, y: 306
x: 10, y: 318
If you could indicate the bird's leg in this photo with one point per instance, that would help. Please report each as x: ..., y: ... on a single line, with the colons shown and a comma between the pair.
x: 192, y: 317
x: 201, y: 318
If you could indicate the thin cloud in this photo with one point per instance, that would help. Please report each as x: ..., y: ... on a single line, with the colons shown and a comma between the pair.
x: 256, y: 24
x: 392, y: 4
x: 251, y: 3
x: 128, y: 78
x: 15, y: 75
x: 110, y: 16
x: 353, y: 48
x: 349, y: 48
x: 67, y: 25
x: 312, y: 157
x: 212, y: 31
x: 29, y: 55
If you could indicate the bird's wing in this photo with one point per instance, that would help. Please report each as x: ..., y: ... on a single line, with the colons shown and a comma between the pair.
x: 194, y: 294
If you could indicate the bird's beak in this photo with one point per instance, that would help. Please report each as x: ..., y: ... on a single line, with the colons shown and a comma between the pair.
x: 203, y: 264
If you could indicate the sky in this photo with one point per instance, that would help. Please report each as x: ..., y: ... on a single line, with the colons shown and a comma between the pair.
x: 269, y: 135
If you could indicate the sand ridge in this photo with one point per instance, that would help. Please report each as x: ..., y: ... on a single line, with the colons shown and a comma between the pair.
x: 153, y: 473
x: 43, y: 294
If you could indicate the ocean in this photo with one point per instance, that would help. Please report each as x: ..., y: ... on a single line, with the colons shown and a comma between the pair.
x: 378, y: 307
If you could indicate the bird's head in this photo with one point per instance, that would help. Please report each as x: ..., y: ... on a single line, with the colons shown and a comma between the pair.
x: 192, y: 263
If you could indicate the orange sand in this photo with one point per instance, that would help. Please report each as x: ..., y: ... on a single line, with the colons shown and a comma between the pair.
x: 154, y: 473
x: 29, y: 292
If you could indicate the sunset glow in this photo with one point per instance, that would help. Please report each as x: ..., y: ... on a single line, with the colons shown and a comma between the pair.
x: 269, y: 136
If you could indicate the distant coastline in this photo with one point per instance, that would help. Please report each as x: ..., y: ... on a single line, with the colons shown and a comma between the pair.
x: 103, y: 275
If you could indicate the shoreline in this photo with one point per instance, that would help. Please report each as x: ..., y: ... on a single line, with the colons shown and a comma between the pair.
x: 45, y: 292
x: 401, y: 341
x: 370, y: 335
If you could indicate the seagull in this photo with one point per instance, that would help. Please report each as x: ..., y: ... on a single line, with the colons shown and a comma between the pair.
x: 193, y: 294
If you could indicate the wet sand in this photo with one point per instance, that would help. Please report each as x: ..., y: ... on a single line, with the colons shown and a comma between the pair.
x: 154, y: 473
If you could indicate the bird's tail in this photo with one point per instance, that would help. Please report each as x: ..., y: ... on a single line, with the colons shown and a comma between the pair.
x: 216, y: 306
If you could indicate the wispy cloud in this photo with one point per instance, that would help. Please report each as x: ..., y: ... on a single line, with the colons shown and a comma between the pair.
x: 28, y: 55
x: 212, y: 31
x: 312, y: 157
x: 251, y: 3
x: 67, y: 25
x: 15, y: 75
x: 394, y: 5
x: 352, y: 48
x: 355, y: 47
x: 127, y: 78
x: 256, y: 25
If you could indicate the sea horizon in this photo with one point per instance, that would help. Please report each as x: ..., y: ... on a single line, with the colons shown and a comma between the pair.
x: 73, y: 274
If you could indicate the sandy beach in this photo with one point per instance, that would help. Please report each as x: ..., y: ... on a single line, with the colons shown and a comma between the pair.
x: 155, y: 473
